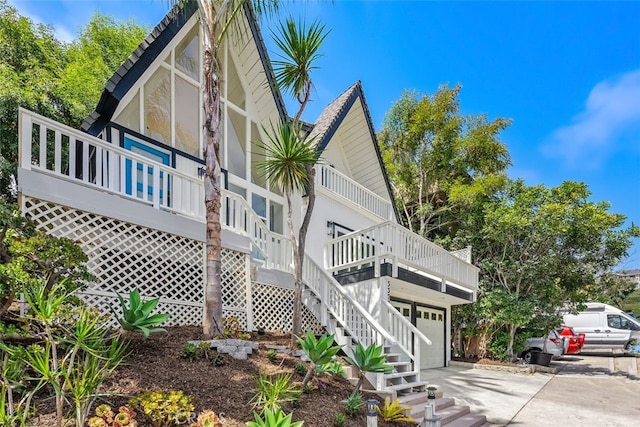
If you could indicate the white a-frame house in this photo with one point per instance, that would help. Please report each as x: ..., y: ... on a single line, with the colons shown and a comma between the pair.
x: 128, y: 189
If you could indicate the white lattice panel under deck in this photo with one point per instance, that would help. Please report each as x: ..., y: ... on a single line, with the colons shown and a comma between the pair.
x: 273, y: 309
x: 124, y: 256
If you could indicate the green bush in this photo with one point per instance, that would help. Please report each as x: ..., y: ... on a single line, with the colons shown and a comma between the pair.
x: 164, y: 408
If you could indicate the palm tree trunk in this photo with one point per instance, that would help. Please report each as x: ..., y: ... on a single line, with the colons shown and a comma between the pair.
x: 212, y: 317
x: 296, y: 265
x: 299, y: 253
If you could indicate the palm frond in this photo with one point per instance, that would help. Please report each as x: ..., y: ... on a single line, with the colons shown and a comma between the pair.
x: 300, y: 48
x: 288, y: 155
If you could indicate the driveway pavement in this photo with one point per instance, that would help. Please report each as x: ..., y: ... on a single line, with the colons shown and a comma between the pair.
x: 590, y: 389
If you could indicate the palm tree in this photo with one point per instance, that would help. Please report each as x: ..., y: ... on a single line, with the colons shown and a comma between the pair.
x: 216, y: 18
x: 291, y: 156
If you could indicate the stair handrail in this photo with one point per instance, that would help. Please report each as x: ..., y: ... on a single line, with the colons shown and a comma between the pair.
x: 321, y: 283
x: 408, y: 336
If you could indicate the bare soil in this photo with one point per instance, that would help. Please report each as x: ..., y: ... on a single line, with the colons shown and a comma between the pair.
x: 156, y: 364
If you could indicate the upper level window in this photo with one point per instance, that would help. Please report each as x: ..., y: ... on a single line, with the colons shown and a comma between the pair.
x: 170, y: 99
x: 187, y: 55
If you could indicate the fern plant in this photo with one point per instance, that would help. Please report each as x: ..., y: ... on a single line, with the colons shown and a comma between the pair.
x: 392, y: 411
x: 137, y: 317
x: 319, y: 351
x: 275, y: 418
x: 370, y: 359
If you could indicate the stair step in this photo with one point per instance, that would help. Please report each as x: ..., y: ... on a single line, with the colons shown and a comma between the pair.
x: 452, y: 413
x: 397, y: 365
x: 406, y: 387
x: 417, y: 405
x: 469, y: 420
x: 401, y: 374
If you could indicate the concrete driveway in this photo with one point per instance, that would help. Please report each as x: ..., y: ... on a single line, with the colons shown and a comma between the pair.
x: 590, y: 389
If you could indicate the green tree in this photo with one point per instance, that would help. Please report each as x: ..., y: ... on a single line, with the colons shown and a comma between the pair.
x: 32, y: 60
x: 59, y: 81
x: 540, y: 248
x: 439, y: 161
x: 291, y: 155
x: 102, y: 46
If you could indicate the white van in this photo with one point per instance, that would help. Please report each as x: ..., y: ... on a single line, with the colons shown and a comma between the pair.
x: 604, y: 326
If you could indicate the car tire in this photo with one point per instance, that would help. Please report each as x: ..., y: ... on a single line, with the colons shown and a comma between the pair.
x: 526, y: 356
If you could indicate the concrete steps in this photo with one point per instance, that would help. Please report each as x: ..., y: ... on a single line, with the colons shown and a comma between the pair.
x: 451, y: 415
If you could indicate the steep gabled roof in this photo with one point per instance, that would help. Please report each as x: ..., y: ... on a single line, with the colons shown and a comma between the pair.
x: 332, y: 116
x: 149, y: 50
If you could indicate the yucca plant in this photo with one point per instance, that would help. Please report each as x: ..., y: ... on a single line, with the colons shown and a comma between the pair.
x: 353, y: 403
x: 273, y: 391
x: 277, y: 418
x: 370, y: 359
x: 137, y: 317
x: 392, y: 411
x: 319, y: 351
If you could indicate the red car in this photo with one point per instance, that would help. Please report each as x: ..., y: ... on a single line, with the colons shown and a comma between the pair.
x: 576, y: 341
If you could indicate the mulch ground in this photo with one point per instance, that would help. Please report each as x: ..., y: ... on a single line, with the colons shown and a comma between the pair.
x: 156, y: 364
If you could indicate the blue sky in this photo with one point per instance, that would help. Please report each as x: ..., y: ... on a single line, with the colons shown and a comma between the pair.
x: 567, y: 73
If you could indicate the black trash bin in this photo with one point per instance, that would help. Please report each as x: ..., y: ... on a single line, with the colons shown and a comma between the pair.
x: 540, y: 358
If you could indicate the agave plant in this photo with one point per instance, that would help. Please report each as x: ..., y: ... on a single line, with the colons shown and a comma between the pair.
x: 319, y: 351
x: 370, y: 359
x: 277, y: 418
x: 137, y: 315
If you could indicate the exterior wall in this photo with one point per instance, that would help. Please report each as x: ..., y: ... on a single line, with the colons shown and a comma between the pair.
x: 330, y: 209
x: 369, y: 294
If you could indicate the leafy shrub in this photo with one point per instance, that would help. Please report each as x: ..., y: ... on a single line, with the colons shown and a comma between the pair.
x: 275, y: 418
x: 354, y: 403
x: 137, y: 317
x: 164, y: 408
x: 392, y: 411
x: 232, y: 329
x: 273, y: 391
x: 106, y: 418
x: 29, y: 257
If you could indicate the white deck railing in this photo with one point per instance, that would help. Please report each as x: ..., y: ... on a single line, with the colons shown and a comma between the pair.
x: 343, y: 186
x: 52, y: 148
x: 403, y: 248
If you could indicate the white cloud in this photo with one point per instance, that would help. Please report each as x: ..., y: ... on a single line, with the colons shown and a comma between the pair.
x: 612, y: 111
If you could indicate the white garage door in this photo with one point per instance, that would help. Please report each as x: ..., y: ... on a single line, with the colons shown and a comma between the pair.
x: 431, y: 322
